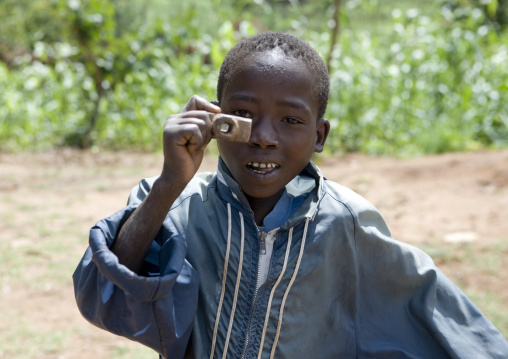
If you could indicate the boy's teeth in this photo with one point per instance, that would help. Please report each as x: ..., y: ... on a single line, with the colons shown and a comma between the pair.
x: 262, y: 165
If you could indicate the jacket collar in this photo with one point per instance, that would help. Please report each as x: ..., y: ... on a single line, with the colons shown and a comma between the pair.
x: 310, y: 180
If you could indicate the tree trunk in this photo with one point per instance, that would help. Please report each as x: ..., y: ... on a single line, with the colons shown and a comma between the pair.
x: 87, y: 137
x: 335, y: 33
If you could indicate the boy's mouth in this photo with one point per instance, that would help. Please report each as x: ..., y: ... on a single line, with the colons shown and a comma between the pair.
x: 262, y: 167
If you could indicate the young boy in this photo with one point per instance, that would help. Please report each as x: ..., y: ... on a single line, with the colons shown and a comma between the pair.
x: 266, y: 258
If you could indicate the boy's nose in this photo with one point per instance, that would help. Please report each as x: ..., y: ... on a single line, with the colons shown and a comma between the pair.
x: 263, y: 134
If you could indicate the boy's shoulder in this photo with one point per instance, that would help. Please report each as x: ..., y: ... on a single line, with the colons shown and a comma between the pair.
x: 363, y: 213
x: 347, y: 197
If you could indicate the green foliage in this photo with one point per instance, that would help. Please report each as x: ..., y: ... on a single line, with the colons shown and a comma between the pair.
x: 495, y: 11
x: 25, y: 22
x: 431, y: 86
x: 108, y: 73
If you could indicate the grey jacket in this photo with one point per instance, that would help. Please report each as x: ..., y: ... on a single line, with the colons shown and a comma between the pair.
x: 337, y: 286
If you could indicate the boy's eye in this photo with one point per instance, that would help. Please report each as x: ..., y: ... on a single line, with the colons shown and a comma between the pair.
x: 242, y: 113
x: 290, y: 120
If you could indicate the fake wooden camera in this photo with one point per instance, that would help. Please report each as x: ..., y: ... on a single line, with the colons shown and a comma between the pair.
x: 230, y: 128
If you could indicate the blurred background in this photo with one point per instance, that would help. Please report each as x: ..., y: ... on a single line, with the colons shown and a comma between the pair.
x: 407, y: 77
x: 418, y: 107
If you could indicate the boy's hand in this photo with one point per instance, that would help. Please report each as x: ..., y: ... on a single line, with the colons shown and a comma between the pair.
x: 185, y: 138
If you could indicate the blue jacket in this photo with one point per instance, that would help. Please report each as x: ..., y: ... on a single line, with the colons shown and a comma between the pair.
x: 337, y: 284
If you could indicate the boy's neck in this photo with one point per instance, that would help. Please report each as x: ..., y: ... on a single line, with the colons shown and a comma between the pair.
x: 262, y: 206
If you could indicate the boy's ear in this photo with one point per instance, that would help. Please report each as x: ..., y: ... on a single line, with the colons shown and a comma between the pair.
x: 322, y: 131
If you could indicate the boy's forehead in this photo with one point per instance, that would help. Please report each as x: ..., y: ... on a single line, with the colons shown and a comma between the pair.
x: 273, y: 65
x: 273, y: 60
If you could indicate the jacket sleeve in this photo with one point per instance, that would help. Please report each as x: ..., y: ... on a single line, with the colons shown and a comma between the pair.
x: 158, y: 309
x: 407, y: 305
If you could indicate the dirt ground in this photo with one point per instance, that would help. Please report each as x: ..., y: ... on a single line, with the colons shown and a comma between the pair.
x: 49, y: 201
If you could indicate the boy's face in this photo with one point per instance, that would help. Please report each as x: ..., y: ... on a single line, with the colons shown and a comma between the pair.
x: 277, y: 93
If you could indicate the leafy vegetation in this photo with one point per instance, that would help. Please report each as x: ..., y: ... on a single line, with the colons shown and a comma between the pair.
x: 107, y: 74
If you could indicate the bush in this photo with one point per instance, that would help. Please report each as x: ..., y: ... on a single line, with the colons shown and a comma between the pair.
x: 422, y: 85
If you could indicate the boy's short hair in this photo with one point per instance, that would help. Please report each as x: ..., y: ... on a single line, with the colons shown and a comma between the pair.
x: 291, y: 46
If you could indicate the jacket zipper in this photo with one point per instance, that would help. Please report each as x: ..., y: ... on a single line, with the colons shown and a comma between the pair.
x: 262, y: 249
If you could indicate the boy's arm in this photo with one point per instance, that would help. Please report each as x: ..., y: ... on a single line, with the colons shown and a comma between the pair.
x: 408, y: 304
x: 157, y: 310
x: 185, y: 138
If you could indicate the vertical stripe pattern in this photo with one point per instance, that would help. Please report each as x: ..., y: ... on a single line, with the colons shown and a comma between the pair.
x: 269, y: 306
x: 302, y: 246
x: 238, y: 277
x: 226, y: 260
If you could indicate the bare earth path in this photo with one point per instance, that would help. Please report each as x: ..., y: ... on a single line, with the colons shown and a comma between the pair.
x: 453, y: 206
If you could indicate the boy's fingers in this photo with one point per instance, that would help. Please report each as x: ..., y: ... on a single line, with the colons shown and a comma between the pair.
x: 180, y: 131
x: 192, y: 138
x: 187, y: 135
x: 191, y: 128
x: 198, y: 103
x: 199, y: 118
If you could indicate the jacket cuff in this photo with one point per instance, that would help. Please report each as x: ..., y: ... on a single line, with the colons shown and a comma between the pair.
x: 141, y: 288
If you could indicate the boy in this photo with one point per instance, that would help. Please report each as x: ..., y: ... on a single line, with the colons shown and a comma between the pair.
x: 265, y: 258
